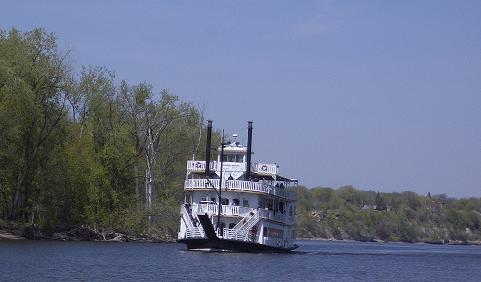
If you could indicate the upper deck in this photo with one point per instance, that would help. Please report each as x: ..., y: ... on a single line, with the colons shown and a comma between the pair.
x: 258, y: 168
x: 234, y: 171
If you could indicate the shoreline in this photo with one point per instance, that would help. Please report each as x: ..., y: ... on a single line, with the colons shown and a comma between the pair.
x: 122, y: 238
x: 9, y: 236
x: 6, y: 235
x: 446, y: 242
x: 76, y: 234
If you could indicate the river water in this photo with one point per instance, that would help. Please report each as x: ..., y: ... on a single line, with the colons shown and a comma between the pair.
x: 313, y: 261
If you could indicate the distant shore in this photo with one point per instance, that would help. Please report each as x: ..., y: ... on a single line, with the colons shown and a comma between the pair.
x: 440, y: 242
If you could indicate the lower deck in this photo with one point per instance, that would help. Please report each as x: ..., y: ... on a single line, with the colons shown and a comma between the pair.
x: 253, y: 226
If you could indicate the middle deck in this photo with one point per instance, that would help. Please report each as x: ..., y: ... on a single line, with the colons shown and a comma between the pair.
x: 260, y: 187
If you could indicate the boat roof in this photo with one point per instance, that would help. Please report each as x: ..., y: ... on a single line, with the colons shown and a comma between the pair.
x: 234, y: 147
x: 274, y: 177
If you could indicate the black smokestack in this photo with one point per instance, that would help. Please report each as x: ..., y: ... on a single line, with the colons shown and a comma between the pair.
x: 249, y: 149
x: 207, y: 147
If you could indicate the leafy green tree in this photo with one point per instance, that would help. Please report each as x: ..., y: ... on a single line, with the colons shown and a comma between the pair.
x: 75, y: 148
x: 34, y: 77
x: 380, y: 204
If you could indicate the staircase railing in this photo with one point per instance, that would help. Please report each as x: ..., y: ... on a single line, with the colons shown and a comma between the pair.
x: 247, y: 222
x: 195, y: 232
x: 187, y: 218
x: 191, y: 230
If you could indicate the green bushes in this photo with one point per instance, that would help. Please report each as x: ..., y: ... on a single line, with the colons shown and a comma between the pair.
x: 348, y: 213
x: 73, y: 146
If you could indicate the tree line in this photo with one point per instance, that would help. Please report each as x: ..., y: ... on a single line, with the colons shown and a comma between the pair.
x: 348, y: 213
x: 77, y: 148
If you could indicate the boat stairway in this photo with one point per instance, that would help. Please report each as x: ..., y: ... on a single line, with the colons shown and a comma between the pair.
x: 247, y: 222
x: 207, y: 226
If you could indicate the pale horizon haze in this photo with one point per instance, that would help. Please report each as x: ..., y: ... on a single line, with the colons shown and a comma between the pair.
x: 380, y: 95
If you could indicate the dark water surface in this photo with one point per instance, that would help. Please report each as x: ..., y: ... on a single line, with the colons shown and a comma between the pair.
x: 314, y: 261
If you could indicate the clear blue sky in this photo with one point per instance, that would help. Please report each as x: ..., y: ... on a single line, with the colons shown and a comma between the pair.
x: 381, y: 95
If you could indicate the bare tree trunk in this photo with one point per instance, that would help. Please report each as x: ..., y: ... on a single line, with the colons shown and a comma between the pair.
x: 17, y: 199
x: 137, y: 184
x: 148, y: 173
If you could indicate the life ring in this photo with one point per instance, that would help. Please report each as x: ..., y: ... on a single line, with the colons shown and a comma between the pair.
x: 264, y: 167
x: 198, y: 165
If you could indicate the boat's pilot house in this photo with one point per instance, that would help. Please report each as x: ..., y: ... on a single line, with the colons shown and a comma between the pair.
x: 234, y: 153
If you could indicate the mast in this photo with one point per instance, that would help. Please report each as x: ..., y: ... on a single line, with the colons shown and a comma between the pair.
x: 249, y: 150
x: 220, y: 184
x: 207, y: 148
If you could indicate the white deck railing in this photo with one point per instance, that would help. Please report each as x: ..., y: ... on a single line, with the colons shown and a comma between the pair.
x: 260, y: 168
x: 243, y: 212
x: 194, y: 232
x: 233, y: 234
x: 239, y: 185
x: 241, y: 231
x: 200, y: 165
x: 226, y: 210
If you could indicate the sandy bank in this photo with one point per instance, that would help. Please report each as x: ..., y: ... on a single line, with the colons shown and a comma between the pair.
x: 5, y: 235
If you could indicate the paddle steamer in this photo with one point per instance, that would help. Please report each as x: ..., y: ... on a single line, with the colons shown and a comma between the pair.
x: 232, y: 204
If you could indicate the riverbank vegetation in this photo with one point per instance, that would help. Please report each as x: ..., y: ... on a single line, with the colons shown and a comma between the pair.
x: 347, y: 213
x: 80, y: 153
x: 78, y: 148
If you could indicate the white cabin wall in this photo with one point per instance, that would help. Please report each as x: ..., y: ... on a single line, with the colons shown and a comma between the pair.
x: 252, y: 198
x: 198, y: 195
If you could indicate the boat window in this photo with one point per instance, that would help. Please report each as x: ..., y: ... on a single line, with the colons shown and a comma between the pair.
x: 245, y: 203
x: 236, y: 158
x: 273, y: 232
x: 225, y: 201
x: 231, y: 225
x: 236, y: 202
